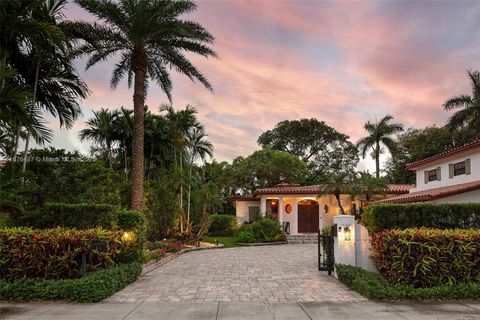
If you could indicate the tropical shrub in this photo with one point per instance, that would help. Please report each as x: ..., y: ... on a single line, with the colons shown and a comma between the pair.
x: 262, y: 230
x: 401, y: 216
x: 373, y: 286
x: 130, y: 220
x: 5, y: 220
x: 93, y: 287
x: 427, y: 257
x: 56, y: 253
x: 160, y: 208
x: 223, y: 225
x: 79, y: 215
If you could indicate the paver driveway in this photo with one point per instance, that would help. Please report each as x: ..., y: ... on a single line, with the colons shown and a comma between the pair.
x: 278, y: 273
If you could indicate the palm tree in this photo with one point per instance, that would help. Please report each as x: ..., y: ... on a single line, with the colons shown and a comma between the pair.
x: 469, y: 113
x: 101, y: 129
x: 149, y: 37
x: 123, y: 128
x: 33, y: 41
x: 197, y: 147
x: 337, y: 184
x: 379, y: 133
x: 368, y: 185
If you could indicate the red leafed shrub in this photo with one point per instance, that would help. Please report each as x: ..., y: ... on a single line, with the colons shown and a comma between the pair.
x: 56, y: 253
x: 427, y: 257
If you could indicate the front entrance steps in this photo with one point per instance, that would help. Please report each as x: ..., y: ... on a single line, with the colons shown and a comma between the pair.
x: 303, y: 238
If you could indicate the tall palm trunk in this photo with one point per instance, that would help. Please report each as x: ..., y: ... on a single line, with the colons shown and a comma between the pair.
x: 377, y: 160
x: 137, y: 145
x: 27, y: 139
x: 189, y: 193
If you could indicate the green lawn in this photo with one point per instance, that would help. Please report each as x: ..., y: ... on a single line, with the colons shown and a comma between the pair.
x: 228, y: 242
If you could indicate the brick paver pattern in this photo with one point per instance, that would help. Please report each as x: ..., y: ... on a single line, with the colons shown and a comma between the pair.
x: 281, y: 273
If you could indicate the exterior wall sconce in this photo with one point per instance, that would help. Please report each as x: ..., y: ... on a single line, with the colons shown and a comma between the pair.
x: 325, y: 209
x: 347, y: 234
x: 288, y: 208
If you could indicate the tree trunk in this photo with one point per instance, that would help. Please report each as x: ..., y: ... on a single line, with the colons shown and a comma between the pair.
x: 137, y: 145
x: 15, y: 147
x: 125, y: 159
x: 337, y: 196
x: 109, y: 155
x: 377, y: 160
x: 189, y: 192
x: 27, y: 139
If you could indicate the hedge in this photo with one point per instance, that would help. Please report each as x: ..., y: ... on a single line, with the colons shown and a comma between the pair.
x: 93, y: 287
x: 427, y: 257
x: 56, y: 253
x: 130, y: 220
x: 223, y: 225
x: 402, y: 216
x: 374, y: 286
x: 80, y: 216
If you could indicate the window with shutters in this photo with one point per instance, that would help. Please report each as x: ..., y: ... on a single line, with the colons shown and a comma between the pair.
x: 459, y: 168
x: 432, y: 175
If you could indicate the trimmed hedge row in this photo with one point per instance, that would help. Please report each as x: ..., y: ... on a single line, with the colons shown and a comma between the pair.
x: 93, y: 287
x: 79, y: 215
x: 427, y: 257
x: 402, y: 216
x: 373, y: 286
x: 222, y: 225
x: 56, y: 253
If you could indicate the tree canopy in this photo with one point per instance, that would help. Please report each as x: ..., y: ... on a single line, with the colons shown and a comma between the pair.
x: 321, y: 147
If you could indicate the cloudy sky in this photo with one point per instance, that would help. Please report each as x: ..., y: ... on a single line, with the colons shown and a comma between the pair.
x: 341, y: 62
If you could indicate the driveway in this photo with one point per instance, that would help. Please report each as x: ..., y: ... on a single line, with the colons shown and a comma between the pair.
x: 278, y: 273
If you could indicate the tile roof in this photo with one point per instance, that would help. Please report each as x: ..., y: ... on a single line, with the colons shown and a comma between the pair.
x: 433, y: 194
x: 245, y: 198
x: 315, y: 189
x: 468, y: 146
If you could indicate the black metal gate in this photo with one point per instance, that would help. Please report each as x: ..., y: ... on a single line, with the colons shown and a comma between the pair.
x: 325, y: 253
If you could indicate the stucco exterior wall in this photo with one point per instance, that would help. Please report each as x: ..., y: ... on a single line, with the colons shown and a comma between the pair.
x: 242, y: 209
x: 445, y: 180
x: 467, y: 197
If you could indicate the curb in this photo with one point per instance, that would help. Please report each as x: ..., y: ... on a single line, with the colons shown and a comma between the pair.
x: 262, y: 244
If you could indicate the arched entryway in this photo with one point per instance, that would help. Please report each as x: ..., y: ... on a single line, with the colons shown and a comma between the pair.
x: 308, y: 216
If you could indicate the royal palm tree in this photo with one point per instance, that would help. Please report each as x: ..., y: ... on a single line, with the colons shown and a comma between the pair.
x: 198, y: 147
x: 379, y: 133
x: 149, y: 38
x: 469, y: 113
x: 101, y: 129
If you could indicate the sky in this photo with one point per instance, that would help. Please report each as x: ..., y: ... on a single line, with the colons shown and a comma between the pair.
x: 338, y: 61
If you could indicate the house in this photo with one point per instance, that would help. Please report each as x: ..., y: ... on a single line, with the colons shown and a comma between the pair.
x: 302, y: 209
x: 452, y: 176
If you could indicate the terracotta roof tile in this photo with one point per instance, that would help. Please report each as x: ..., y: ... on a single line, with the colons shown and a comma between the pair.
x: 470, y: 145
x: 315, y: 189
x: 433, y: 194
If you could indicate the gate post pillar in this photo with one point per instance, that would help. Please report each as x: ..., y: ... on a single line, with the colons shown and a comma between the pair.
x: 344, y: 242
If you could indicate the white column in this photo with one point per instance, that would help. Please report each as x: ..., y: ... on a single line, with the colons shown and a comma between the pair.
x: 280, y: 211
x: 263, y: 206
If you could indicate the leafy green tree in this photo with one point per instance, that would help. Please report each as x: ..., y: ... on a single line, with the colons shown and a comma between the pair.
x: 379, y: 133
x: 150, y: 38
x: 267, y: 168
x: 468, y: 114
x: 417, y: 144
x: 322, y: 148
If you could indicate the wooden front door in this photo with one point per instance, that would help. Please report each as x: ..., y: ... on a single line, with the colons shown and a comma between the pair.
x: 308, y: 217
